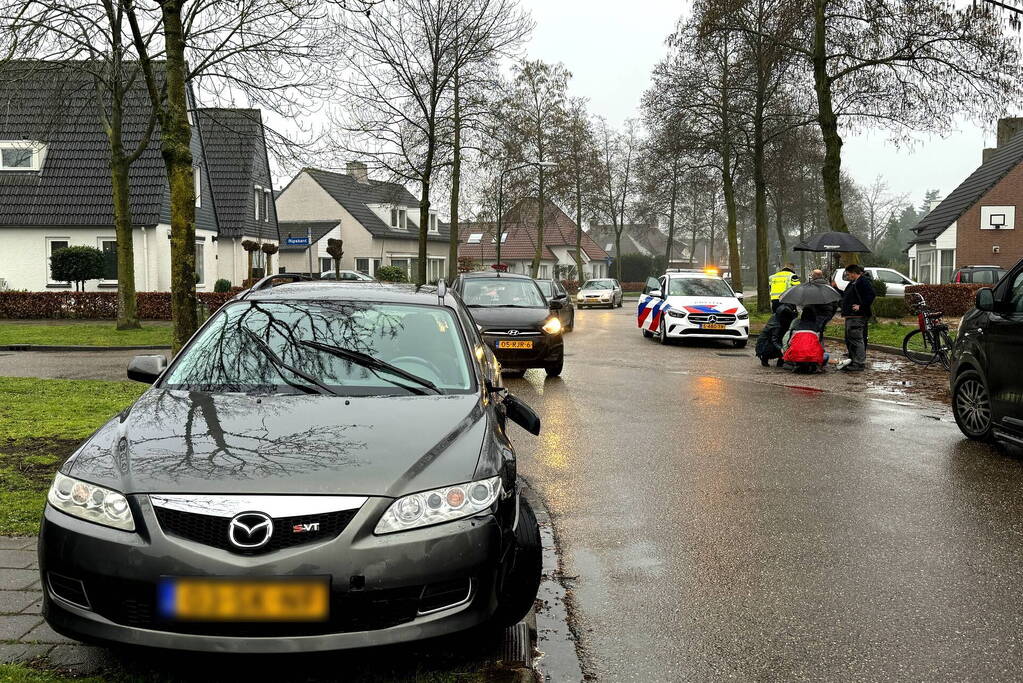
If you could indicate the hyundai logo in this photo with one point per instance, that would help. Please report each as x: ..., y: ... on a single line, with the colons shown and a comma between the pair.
x: 250, y: 530
x: 513, y: 333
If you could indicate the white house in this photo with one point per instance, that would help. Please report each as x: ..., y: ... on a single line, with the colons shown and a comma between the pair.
x: 377, y: 221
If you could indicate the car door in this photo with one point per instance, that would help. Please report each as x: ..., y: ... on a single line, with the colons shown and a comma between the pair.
x: 893, y: 280
x: 1003, y: 337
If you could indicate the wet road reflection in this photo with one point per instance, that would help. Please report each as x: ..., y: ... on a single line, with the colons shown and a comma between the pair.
x: 715, y: 524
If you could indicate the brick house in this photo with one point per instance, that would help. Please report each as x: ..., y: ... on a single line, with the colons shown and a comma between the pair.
x: 981, y: 221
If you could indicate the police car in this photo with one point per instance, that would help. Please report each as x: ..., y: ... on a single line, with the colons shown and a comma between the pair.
x: 701, y: 305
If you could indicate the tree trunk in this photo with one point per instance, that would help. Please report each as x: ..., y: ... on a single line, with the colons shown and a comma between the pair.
x: 760, y: 203
x: 779, y: 227
x: 831, y: 171
x: 578, y: 225
x: 424, y: 218
x: 696, y: 209
x: 731, y: 226
x: 177, y: 156
x: 456, y: 182
x: 127, y: 308
x: 618, y: 253
x: 539, y: 226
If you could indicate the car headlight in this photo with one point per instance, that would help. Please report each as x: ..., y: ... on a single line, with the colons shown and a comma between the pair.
x: 677, y: 314
x: 552, y: 326
x: 439, y: 505
x: 743, y: 316
x: 91, y: 502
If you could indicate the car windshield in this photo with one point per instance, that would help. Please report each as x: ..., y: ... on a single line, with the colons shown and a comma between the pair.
x: 546, y: 287
x: 597, y: 284
x: 698, y: 286
x: 247, y: 346
x: 487, y: 292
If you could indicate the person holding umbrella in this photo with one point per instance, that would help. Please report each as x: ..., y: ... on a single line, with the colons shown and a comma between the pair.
x: 856, y: 302
x: 818, y: 299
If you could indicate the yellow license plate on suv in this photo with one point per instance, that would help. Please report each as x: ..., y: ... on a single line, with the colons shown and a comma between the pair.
x: 509, y: 344
x: 713, y: 326
x: 245, y: 600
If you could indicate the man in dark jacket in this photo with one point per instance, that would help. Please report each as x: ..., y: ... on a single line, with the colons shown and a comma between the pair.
x: 856, y: 301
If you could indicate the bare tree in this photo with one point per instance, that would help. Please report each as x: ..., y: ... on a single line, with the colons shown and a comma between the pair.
x: 880, y: 206
x: 618, y: 152
x: 579, y: 156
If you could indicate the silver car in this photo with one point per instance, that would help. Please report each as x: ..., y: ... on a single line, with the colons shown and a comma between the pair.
x: 603, y: 291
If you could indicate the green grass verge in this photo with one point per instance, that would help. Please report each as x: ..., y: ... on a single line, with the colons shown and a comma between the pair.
x: 42, y: 421
x: 84, y: 334
x: 19, y: 673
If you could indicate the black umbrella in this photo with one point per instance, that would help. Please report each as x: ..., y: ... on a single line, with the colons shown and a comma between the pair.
x: 832, y: 242
x: 810, y: 294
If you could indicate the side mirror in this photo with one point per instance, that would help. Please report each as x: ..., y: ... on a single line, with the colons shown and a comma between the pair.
x: 146, y: 369
x: 557, y: 304
x: 986, y: 299
x: 657, y: 293
x: 561, y: 297
x: 522, y: 415
x: 740, y: 296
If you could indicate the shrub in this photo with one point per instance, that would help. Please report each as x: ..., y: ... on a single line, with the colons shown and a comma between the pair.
x: 222, y: 285
x: 635, y: 267
x: 890, y: 307
x: 951, y: 299
x: 94, y: 305
x: 77, y: 264
x: 391, y: 274
x: 571, y: 286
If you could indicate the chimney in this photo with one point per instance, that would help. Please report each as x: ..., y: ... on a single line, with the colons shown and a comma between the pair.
x: 988, y: 153
x: 358, y: 170
x: 1007, y: 128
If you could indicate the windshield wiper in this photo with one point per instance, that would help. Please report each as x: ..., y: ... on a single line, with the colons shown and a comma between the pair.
x: 280, y: 366
x: 374, y: 364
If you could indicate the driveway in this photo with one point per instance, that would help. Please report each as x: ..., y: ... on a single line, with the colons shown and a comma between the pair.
x: 109, y: 365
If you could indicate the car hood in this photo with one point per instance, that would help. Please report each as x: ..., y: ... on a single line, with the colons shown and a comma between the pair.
x: 174, y: 441
x: 596, y: 292
x: 706, y: 304
x: 509, y: 317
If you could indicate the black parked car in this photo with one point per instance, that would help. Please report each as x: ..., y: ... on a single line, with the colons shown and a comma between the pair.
x: 555, y: 291
x: 515, y: 319
x: 986, y: 374
x: 323, y: 466
x: 980, y: 275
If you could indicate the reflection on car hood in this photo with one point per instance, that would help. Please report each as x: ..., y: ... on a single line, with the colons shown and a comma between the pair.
x: 707, y: 304
x: 188, y: 442
x: 509, y: 317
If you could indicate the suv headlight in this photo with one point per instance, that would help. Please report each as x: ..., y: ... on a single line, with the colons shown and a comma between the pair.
x: 90, y: 502
x: 677, y: 314
x: 743, y: 316
x: 552, y: 326
x: 439, y: 505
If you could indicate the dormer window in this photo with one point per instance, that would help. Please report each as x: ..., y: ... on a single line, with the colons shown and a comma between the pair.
x: 21, y: 155
x: 433, y: 222
x: 403, y: 218
x: 475, y: 238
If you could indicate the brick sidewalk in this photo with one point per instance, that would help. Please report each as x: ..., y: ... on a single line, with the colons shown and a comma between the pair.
x: 24, y: 636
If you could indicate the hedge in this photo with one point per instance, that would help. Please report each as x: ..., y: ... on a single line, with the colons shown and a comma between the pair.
x: 890, y: 307
x: 951, y: 299
x: 94, y: 305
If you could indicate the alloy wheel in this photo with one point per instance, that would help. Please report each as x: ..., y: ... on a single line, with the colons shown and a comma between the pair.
x: 973, y: 407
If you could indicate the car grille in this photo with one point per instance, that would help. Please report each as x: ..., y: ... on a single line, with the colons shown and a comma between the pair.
x: 704, y: 318
x: 520, y: 332
x: 213, y: 531
x: 696, y: 331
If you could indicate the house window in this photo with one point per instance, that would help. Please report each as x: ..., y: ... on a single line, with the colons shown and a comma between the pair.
x: 257, y: 197
x: 434, y: 269
x: 545, y: 271
x: 267, y: 198
x: 403, y: 218
x: 504, y: 238
x: 475, y: 238
x: 912, y: 269
x: 326, y: 263
x: 21, y: 155
x: 924, y: 259
x: 197, y: 174
x: 367, y: 266
x: 402, y: 263
x: 200, y: 264
x: 948, y: 260
x: 109, y: 248
x: 52, y: 245
x: 433, y: 222
x: 258, y: 264
x: 394, y: 218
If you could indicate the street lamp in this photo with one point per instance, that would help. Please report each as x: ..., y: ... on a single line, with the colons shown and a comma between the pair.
x: 500, y: 194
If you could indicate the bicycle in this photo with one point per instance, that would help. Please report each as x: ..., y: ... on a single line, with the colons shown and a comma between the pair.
x: 930, y: 342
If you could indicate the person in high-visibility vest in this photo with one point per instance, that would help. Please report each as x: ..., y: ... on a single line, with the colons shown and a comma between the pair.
x: 781, y: 282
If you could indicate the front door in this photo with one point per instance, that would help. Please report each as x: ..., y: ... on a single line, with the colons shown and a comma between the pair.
x: 1004, y: 339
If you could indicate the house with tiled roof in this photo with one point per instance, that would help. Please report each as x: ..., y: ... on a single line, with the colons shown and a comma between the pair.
x: 981, y: 221
x: 55, y: 185
x: 519, y: 238
x: 377, y: 221
x: 646, y: 239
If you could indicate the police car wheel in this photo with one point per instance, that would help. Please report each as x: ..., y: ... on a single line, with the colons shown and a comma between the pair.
x: 648, y: 334
x: 662, y: 333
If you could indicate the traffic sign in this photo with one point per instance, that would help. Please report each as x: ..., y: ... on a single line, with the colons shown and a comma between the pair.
x: 297, y: 241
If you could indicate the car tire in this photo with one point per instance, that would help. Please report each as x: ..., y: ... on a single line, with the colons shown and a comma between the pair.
x: 971, y: 406
x: 555, y: 370
x: 648, y: 334
x: 740, y: 343
x: 662, y: 333
x: 522, y: 580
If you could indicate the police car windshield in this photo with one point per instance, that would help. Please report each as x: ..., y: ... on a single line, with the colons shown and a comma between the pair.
x: 597, y: 284
x: 495, y: 292
x: 698, y: 286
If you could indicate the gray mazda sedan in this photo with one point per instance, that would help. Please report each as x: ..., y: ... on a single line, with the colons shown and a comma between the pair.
x: 323, y: 466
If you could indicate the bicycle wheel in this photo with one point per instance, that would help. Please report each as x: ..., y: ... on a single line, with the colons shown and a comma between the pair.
x: 918, y: 347
x: 943, y: 352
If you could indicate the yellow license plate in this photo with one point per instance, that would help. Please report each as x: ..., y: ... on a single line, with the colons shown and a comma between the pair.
x: 228, y: 600
x: 713, y: 326
x: 507, y: 344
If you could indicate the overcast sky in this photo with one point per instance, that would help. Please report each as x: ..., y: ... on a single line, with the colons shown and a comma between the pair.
x: 610, y: 47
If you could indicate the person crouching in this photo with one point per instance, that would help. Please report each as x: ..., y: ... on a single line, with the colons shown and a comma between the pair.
x: 805, y: 353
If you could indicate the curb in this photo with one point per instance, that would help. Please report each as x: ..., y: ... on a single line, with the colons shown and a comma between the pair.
x: 558, y: 659
x: 51, y: 347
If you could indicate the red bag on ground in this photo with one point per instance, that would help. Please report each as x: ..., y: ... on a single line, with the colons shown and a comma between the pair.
x: 805, y: 347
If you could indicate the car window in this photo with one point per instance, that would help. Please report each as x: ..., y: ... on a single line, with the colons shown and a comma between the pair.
x: 890, y: 277
x: 421, y: 340
x: 488, y: 292
x: 698, y: 286
x: 546, y: 287
x: 597, y: 284
x: 984, y: 277
x: 1017, y: 294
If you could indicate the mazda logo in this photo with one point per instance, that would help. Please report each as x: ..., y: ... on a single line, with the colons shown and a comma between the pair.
x: 513, y: 333
x: 250, y: 530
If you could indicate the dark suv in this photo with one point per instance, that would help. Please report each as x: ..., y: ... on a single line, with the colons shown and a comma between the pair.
x: 323, y: 466
x: 517, y: 322
x: 978, y: 275
x: 987, y: 375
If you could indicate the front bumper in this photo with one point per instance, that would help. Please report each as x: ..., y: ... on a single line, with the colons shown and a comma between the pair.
x: 547, y: 349
x: 383, y: 589
x: 596, y: 300
x: 682, y: 328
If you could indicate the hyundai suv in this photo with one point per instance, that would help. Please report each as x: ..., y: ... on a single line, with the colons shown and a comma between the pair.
x: 323, y: 466
x: 986, y: 375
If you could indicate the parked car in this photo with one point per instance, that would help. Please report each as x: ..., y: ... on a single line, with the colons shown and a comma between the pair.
x: 323, y: 466
x: 346, y: 275
x: 600, y: 292
x: 986, y: 377
x: 555, y: 291
x: 702, y: 306
x: 895, y: 281
x: 516, y: 321
x: 982, y: 275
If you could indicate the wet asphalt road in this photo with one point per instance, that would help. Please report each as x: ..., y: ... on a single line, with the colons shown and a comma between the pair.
x: 716, y: 524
